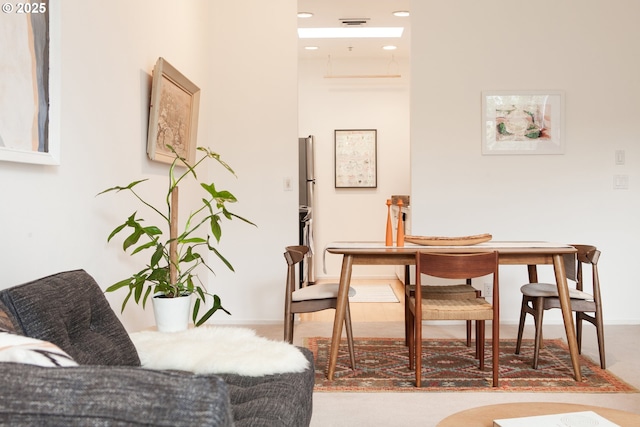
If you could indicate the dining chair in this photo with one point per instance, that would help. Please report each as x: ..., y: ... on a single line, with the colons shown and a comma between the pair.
x: 454, y: 266
x: 455, y: 291
x: 538, y: 297
x: 311, y: 298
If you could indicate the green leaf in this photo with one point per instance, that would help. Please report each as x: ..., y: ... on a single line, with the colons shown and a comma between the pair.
x: 242, y: 219
x: 143, y: 247
x: 146, y: 295
x: 126, y: 299
x: 192, y: 240
x: 216, y: 306
x: 139, y: 287
x: 152, y: 230
x: 222, y: 258
x: 117, y: 188
x: 190, y: 256
x: 157, y: 256
x: 216, y: 230
x: 116, y: 231
x: 118, y: 285
x: 196, y: 309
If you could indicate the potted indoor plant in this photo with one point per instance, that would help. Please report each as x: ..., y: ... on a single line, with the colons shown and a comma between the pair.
x: 171, y: 271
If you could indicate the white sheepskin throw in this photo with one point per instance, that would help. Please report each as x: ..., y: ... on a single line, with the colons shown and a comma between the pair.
x: 217, y: 350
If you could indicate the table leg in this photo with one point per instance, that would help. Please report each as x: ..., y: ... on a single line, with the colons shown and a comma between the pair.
x: 533, y: 273
x: 338, y: 321
x: 565, y: 306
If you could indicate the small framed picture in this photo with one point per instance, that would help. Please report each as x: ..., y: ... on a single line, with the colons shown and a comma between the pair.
x: 356, y: 158
x: 522, y: 122
x: 173, y: 115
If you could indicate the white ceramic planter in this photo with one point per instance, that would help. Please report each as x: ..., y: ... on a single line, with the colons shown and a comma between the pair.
x: 172, y: 314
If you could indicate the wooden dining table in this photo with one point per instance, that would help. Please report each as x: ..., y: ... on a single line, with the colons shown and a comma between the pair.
x: 510, y: 253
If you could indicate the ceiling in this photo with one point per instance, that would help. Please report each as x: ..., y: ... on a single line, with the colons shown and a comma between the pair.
x: 328, y: 13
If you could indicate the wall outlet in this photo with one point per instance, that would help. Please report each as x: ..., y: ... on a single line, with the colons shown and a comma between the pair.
x: 488, y: 290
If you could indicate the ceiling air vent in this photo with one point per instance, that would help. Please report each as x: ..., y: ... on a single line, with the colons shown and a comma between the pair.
x: 354, y: 22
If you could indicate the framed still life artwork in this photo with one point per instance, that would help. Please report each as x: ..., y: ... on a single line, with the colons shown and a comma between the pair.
x: 356, y: 158
x: 173, y: 115
x: 522, y: 122
x: 30, y: 82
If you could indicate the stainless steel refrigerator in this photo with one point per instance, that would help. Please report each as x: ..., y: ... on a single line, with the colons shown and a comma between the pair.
x: 307, y: 182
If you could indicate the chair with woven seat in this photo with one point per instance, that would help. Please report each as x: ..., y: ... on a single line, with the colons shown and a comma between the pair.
x: 457, y: 291
x: 308, y: 299
x: 454, y: 266
x: 538, y: 297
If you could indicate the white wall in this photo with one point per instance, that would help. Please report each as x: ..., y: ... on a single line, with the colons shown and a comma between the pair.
x: 51, y: 219
x: 327, y: 104
x: 462, y: 48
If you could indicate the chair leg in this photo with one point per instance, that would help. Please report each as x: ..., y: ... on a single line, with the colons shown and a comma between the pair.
x: 418, y: 350
x: 347, y: 323
x: 407, y: 318
x: 410, y: 337
x: 600, y: 332
x: 599, y: 324
x: 288, y: 328
x: 480, y: 339
x: 579, y: 331
x: 538, y: 306
x: 468, y: 333
x: 523, y: 315
x: 478, y: 335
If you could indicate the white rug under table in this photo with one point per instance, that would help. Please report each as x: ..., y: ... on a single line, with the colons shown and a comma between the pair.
x: 373, y: 293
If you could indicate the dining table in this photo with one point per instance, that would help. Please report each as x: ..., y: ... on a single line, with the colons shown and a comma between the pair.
x: 529, y: 253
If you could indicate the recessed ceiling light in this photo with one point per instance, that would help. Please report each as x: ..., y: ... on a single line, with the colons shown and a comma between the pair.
x: 390, y: 47
x: 305, y: 14
x: 401, y: 13
x: 349, y: 32
x: 311, y: 47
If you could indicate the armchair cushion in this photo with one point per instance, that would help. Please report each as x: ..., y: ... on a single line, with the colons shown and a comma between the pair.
x: 110, y: 395
x: 70, y: 310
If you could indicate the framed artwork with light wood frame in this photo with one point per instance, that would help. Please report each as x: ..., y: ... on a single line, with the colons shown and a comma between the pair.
x: 173, y: 115
x: 522, y: 122
x: 356, y: 158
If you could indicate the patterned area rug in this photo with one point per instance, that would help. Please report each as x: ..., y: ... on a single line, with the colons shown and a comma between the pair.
x: 449, y: 365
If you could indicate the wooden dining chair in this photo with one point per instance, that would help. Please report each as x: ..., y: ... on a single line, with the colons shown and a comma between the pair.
x: 451, y: 291
x: 454, y: 266
x: 308, y: 299
x: 538, y: 297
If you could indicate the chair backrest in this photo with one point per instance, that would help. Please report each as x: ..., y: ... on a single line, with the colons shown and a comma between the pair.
x: 294, y: 255
x: 589, y: 255
x: 457, y: 266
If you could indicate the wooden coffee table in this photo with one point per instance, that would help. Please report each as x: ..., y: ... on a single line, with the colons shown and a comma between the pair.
x: 483, y: 416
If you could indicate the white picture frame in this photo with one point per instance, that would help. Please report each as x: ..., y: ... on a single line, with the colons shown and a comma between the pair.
x: 522, y: 122
x: 37, y: 143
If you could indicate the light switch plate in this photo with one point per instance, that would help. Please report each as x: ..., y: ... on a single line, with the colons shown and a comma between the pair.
x: 621, y: 182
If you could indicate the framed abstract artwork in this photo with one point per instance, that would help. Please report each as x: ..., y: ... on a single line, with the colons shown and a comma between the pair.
x: 517, y: 122
x: 356, y: 158
x: 173, y: 115
x: 30, y: 82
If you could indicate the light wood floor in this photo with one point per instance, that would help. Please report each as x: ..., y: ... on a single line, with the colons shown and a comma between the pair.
x: 367, y: 311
